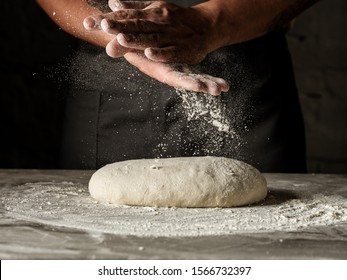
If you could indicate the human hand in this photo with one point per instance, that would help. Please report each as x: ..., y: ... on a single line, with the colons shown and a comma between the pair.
x: 174, y: 74
x: 178, y: 75
x: 163, y: 31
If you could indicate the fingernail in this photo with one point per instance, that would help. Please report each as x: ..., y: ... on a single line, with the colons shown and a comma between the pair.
x: 155, y: 55
x: 125, y: 37
x: 106, y: 24
x: 114, y: 5
x: 153, y: 51
x: 122, y: 39
x: 89, y: 23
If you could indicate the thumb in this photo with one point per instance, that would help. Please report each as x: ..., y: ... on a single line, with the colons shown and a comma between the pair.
x: 116, y: 5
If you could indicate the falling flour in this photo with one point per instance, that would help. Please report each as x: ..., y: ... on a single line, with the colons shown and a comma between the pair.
x: 207, y: 127
x: 66, y: 204
x: 205, y: 108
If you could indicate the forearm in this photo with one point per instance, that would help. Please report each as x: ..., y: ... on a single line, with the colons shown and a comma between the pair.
x: 69, y: 15
x: 236, y: 21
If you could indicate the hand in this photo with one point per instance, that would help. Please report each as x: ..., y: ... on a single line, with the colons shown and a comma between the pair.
x: 164, y: 32
x: 178, y: 75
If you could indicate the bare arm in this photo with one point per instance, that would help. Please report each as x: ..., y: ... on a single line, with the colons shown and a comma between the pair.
x: 69, y: 15
x: 235, y: 21
x: 169, y: 33
x: 152, y: 34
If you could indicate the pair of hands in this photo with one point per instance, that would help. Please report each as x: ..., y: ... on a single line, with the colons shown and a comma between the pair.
x: 161, y: 40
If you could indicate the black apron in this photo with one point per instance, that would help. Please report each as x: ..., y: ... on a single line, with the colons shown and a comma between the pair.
x: 115, y: 112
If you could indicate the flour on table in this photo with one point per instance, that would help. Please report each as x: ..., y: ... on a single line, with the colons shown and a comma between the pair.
x: 67, y: 204
x: 179, y: 182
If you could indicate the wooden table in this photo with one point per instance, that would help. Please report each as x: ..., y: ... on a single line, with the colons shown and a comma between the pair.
x: 23, y: 239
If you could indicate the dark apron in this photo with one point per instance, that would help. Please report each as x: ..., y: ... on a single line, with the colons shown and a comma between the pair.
x: 115, y: 112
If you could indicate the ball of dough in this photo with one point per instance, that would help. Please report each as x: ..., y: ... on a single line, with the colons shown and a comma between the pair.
x: 179, y: 182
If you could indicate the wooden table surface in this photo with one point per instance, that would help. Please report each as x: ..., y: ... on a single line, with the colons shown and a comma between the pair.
x: 25, y: 239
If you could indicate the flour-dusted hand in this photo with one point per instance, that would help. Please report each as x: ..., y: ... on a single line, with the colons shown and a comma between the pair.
x: 163, y: 31
x: 178, y: 75
x: 144, y: 17
x: 170, y: 33
x: 167, y: 33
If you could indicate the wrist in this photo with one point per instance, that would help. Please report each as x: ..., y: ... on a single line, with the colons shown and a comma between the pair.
x: 221, y: 27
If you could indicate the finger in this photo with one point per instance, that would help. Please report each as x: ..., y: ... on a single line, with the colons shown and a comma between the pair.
x: 128, y: 14
x: 223, y: 84
x: 153, y: 14
x: 183, y: 67
x: 186, y: 82
x: 113, y: 49
x: 143, y: 41
x: 165, y: 73
x: 193, y: 83
x: 160, y: 55
x: 172, y: 76
x: 92, y: 23
x: 172, y: 54
x: 133, y: 26
x: 190, y: 82
x: 108, y: 27
x: 116, y: 5
x: 211, y: 86
x: 197, y: 82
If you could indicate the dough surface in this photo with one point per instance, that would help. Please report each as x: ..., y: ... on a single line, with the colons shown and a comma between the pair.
x: 179, y: 182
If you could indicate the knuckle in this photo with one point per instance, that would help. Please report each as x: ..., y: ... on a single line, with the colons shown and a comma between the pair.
x: 199, y: 86
x: 123, y: 13
x: 135, y: 14
x: 214, y: 88
x: 166, y: 12
x: 157, y: 11
x: 162, y: 12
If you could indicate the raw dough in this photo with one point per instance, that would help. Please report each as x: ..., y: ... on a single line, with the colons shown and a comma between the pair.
x: 179, y: 182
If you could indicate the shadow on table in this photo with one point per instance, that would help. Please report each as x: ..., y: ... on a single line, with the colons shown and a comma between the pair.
x: 275, y: 197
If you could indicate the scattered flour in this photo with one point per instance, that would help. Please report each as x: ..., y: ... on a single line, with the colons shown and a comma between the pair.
x: 69, y: 205
x: 205, y: 108
x: 208, y: 127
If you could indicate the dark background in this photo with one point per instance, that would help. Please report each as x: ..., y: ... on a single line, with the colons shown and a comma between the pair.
x: 33, y: 86
x: 35, y: 55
